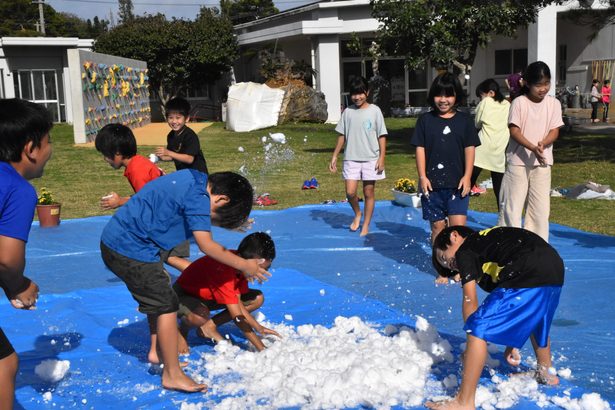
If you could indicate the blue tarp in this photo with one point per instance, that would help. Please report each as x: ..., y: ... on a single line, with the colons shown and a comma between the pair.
x: 86, y: 316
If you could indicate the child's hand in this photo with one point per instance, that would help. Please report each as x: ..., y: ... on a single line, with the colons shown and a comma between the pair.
x: 27, y: 299
x: 538, y: 151
x: 464, y: 186
x: 255, y: 272
x: 512, y: 356
x: 379, y: 166
x: 333, y: 164
x: 110, y: 201
x: 425, y: 185
x: 161, y: 152
x: 266, y: 331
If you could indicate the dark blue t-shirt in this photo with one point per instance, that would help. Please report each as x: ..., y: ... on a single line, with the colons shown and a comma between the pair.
x: 163, y: 214
x: 17, y: 203
x: 445, y: 140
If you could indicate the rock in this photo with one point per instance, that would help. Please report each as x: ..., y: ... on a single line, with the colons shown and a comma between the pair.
x: 302, y: 103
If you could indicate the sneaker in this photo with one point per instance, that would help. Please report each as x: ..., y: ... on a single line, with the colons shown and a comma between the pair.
x: 477, y: 190
x: 306, y: 184
x: 314, y: 183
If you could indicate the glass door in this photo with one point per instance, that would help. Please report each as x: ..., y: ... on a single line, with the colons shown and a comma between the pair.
x: 41, y: 87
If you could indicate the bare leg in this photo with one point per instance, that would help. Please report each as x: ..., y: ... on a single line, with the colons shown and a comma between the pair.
x: 152, y: 355
x: 8, y: 370
x: 368, y: 208
x: 224, y: 317
x: 173, y: 376
x: 182, y: 338
x: 473, y: 363
x: 543, y: 357
x: 353, y: 200
x: 178, y: 263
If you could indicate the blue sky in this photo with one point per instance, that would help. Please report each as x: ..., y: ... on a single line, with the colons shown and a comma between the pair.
x: 171, y: 8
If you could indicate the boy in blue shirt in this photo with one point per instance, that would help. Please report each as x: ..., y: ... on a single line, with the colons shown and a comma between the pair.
x: 163, y: 214
x: 24, y: 150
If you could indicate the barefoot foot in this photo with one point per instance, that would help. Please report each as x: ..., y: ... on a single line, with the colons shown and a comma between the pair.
x: 182, y: 383
x: 452, y: 404
x: 364, y: 231
x: 356, y: 222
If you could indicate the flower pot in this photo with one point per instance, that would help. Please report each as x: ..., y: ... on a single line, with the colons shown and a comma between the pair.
x: 406, y: 199
x: 48, y: 215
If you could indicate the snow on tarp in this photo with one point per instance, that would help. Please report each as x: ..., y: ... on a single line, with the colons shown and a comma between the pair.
x: 252, y: 106
x: 363, y: 324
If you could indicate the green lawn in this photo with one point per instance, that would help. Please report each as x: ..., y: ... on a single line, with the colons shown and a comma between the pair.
x: 78, y: 176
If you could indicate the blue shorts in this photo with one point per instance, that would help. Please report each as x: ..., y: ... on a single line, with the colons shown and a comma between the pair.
x: 509, y: 316
x: 444, y: 202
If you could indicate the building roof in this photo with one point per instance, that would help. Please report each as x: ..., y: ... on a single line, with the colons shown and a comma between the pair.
x: 47, y: 42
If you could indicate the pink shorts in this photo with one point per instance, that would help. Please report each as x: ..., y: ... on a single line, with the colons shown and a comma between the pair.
x: 361, y: 171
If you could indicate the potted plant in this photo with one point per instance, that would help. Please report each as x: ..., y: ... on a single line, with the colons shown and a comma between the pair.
x: 405, y: 193
x: 47, y: 209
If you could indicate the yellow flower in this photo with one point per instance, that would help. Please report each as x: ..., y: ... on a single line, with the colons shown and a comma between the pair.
x: 405, y: 185
x: 46, y: 197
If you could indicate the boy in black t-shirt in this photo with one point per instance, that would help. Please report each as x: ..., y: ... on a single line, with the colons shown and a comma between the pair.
x: 183, y: 146
x: 524, y: 276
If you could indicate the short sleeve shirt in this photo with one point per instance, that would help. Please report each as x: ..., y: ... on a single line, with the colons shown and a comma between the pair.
x: 17, y: 203
x: 513, y: 83
x: 445, y: 141
x: 209, y: 279
x: 160, y: 216
x: 187, y: 142
x: 362, y: 127
x: 504, y: 257
x: 535, y: 121
x: 140, y: 171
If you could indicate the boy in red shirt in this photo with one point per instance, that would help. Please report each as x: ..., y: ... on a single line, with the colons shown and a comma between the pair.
x: 208, y: 285
x: 118, y: 145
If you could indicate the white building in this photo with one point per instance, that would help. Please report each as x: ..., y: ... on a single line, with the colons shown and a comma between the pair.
x: 318, y: 33
x: 36, y: 69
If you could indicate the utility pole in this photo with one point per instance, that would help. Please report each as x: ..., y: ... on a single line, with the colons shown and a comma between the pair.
x: 41, y: 14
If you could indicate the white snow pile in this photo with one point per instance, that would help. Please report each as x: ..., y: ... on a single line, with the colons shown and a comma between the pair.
x: 351, y: 364
x: 52, y: 370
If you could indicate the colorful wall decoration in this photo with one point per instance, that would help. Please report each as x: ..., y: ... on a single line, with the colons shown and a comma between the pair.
x: 112, y: 90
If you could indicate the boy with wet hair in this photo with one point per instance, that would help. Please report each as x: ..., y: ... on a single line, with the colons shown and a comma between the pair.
x: 25, y: 148
x: 183, y: 146
x: 208, y: 285
x: 163, y: 214
x: 523, y: 275
x: 118, y: 145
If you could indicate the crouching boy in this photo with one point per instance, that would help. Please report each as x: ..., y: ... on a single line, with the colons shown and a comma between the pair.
x: 208, y: 285
x: 523, y: 275
x: 164, y: 213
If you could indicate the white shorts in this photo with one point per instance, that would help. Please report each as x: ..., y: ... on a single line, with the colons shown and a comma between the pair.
x: 362, y: 171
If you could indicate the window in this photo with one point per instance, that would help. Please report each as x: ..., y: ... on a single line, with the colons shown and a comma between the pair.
x: 508, y: 61
x: 200, y: 92
x: 41, y: 87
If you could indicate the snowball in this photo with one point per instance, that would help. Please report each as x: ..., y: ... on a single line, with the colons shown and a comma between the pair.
x: 52, y: 370
x: 278, y: 137
x: 322, y: 292
x: 240, y: 149
x: 288, y: 317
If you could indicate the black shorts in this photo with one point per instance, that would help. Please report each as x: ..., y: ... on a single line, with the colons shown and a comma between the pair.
x: 6, y: 348
x: 181, y: 251
x: 148, y: 282
x: 189, y: 303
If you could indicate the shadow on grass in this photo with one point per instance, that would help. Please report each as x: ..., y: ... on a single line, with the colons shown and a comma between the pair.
x: 572, y: 147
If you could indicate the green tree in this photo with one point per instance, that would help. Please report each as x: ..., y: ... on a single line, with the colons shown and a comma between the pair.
x: 448, y: 33
x: 242, y: 11
x: 179, y: 53
x: 596, y: 18
x: 19, y: 18
x: 126, y: 11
